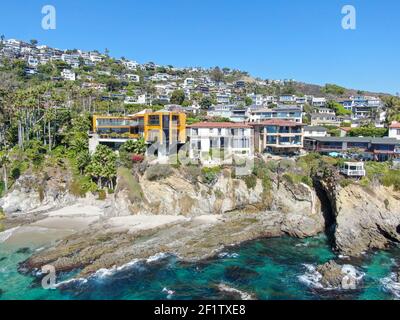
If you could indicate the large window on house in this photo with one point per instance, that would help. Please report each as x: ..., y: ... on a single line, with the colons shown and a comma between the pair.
x: 271, y: 140
x: 383, y: 147
x: 241, y: 143
x: 154, y: 120
x: 358, y: 145
x: 332, y: 145
x: 175, y: 120
x: 284, y: 130
x: 272, y: 129
x: 112, y: 122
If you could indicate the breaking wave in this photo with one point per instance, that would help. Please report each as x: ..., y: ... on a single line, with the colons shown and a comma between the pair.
x: 391, y: 285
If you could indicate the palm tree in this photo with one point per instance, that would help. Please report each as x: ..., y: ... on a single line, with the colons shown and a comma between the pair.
x: 4, y: 162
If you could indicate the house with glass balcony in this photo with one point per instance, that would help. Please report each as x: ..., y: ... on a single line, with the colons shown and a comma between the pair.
x: 292, y: 113
x: 218, y: 142
x: 378, y: 149
x: 278, y: 136
x: 164, y: 131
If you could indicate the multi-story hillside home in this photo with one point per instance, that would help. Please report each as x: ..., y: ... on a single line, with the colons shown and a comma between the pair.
x: 301, y: 101
x: 394, y: 130
x: 362, y: 107
x: 68, y: 75
x: 130, y: 65
x: 95, y: 57
x: 163, y: 131
x: 189, y: 82
x: 133, y: 77
x: 289, y: 99
x: 240, y: 84
x: 223, y: 98
x: 379, y: 149
x: 258, y: 99
x: 315, y: 131
x: 221, y: 110
x: 324, y: 116
x: 33, y: 62
x: 278, y: 136
x: 217, y: 142
x: 318, y: 102
x: 293, y: 113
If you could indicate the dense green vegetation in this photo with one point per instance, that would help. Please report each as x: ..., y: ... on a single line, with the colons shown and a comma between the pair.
x: 339, y: 109
x: 368, y: 131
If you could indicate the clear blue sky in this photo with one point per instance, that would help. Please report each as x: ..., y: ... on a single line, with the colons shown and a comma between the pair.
x: 300, y: 39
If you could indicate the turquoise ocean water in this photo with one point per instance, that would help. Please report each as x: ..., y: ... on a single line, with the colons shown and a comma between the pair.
x: 267, y: 269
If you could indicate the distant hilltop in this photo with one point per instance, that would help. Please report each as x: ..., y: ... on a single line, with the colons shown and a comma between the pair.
x: 36, y: 55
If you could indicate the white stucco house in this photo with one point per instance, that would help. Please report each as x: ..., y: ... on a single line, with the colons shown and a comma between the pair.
x: 394, y: 130
x: 217, y: 142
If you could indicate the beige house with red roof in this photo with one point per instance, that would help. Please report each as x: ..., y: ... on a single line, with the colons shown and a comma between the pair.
x: 217, y: 142
x: 394, y: 130
x: 278, y: 136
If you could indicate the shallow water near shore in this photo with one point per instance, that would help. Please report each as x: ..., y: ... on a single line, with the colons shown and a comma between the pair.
x: 265, y: 269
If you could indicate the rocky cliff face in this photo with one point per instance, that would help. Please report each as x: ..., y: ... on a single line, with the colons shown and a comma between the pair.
x: 299, y: 205
x: 34, y: 190
x: 366, y: 217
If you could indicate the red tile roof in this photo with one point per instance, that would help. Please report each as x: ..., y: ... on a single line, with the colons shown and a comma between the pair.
x: 347, y: 129
x: 232, y: 125
x: 277, y: 122
x: 395, y: 125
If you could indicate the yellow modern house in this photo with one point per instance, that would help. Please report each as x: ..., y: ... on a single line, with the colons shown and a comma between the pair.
x: 162, y: 128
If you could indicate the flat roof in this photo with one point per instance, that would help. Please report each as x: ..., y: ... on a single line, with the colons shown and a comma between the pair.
x: 232, y: 125
x: 356, y: 139
x: 277, y: 122
x: 315, y: 128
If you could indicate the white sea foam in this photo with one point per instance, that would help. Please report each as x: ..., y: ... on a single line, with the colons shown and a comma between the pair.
x: 4, y: 236
x: 78, y: 281
x: 228, y: 255
x: 170, y: 293
x: 104, y: 273
x: 306, y: 244
x: 312, y: 277
x: 391, y: 285
x: 157, y: 257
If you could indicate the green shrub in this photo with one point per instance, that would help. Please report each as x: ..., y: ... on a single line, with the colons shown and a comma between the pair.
x: 219, y: 194
x: 102, y: 195
x: 289, y: 177
x: 158, y: 172
x: 210, y: 175
x: 307, y: 180
x: 251, y: 181
x: 392, y: 178
x: 81, y: 185
x: 128, y: 182
x: 345, y: 182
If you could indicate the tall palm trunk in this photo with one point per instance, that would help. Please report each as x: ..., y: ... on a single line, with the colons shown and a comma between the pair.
x: 49, y: 129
